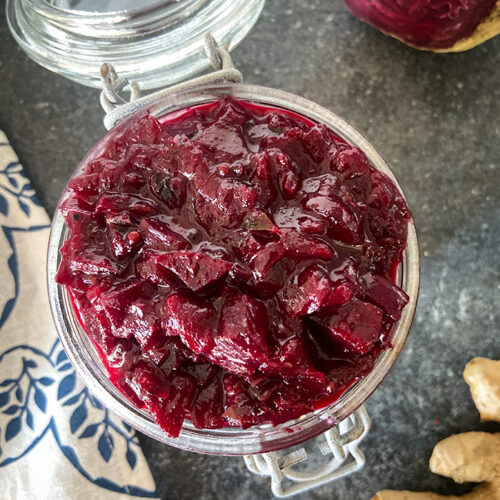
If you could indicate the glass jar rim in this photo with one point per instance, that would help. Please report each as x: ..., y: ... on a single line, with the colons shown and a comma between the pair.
x: 154, y: 46
x: 55, y: 11
x: 231, y: 441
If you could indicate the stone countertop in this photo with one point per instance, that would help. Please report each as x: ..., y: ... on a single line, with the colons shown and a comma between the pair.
x: 436, y: 120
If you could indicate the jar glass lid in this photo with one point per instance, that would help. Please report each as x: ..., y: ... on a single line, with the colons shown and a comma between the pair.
x: 104, y: 6
x: 153, y: 42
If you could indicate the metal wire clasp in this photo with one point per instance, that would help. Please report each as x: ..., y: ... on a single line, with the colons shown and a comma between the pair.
x: 117, y: 107
x: 341, y: 441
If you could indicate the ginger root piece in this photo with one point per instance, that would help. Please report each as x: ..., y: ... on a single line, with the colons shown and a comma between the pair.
x: 483, y: 377
x: 470, y: 456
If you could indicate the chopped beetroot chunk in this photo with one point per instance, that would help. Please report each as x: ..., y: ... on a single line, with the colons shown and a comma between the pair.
x: 208, y: 408
x: 194, y: 322
x: 144, y: 322
x: 196, y: 270
x: 158, y: 233
x: 232, y: 263
x: 344, y: 223
x: 355, y: 326
x: 115, y: 299
x: 120, y: 208
x: 306, y: 292
x: 385, y: 294
x: 301, y: 247
x: 241, y: 343
x: 265, y: 258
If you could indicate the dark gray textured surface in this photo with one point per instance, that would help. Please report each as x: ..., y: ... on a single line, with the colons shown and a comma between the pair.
x: 436, y: 120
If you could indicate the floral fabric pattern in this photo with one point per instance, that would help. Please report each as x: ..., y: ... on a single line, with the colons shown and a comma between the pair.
x: 56, y: 439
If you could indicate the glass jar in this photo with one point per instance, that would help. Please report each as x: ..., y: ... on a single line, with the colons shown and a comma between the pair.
x: 231, y: 441
x: 154, y: 42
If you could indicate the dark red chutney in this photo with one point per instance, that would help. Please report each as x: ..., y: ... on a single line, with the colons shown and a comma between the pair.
x: 233, y: 263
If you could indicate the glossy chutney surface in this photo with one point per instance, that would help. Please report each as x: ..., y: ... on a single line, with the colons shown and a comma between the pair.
x: 233, y: 263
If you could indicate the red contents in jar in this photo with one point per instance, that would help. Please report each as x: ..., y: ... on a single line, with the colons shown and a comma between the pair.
x: 436, y: 24
x: 233, y: 263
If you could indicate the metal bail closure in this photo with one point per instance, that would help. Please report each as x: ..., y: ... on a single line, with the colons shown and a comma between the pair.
x: 341, y: 441
x: 117, y: 107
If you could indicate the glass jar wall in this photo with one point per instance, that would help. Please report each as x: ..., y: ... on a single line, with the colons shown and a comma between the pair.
x: 231, y: 441
x: 154, y: 42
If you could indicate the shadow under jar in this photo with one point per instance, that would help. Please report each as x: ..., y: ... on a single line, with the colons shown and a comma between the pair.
x: 260, y: 438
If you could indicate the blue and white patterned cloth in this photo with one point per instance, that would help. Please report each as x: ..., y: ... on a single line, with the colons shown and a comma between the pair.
x: 56, y: 440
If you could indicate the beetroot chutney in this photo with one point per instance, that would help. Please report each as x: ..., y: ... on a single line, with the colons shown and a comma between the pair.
x: 233, y: 263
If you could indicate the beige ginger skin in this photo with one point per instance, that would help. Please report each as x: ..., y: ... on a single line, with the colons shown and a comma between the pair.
x: 483, y: 377
x: 470, y: 456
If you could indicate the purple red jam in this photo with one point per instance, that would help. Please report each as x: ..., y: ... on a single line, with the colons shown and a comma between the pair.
x: 436, y: 24
x: 233, y: 263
